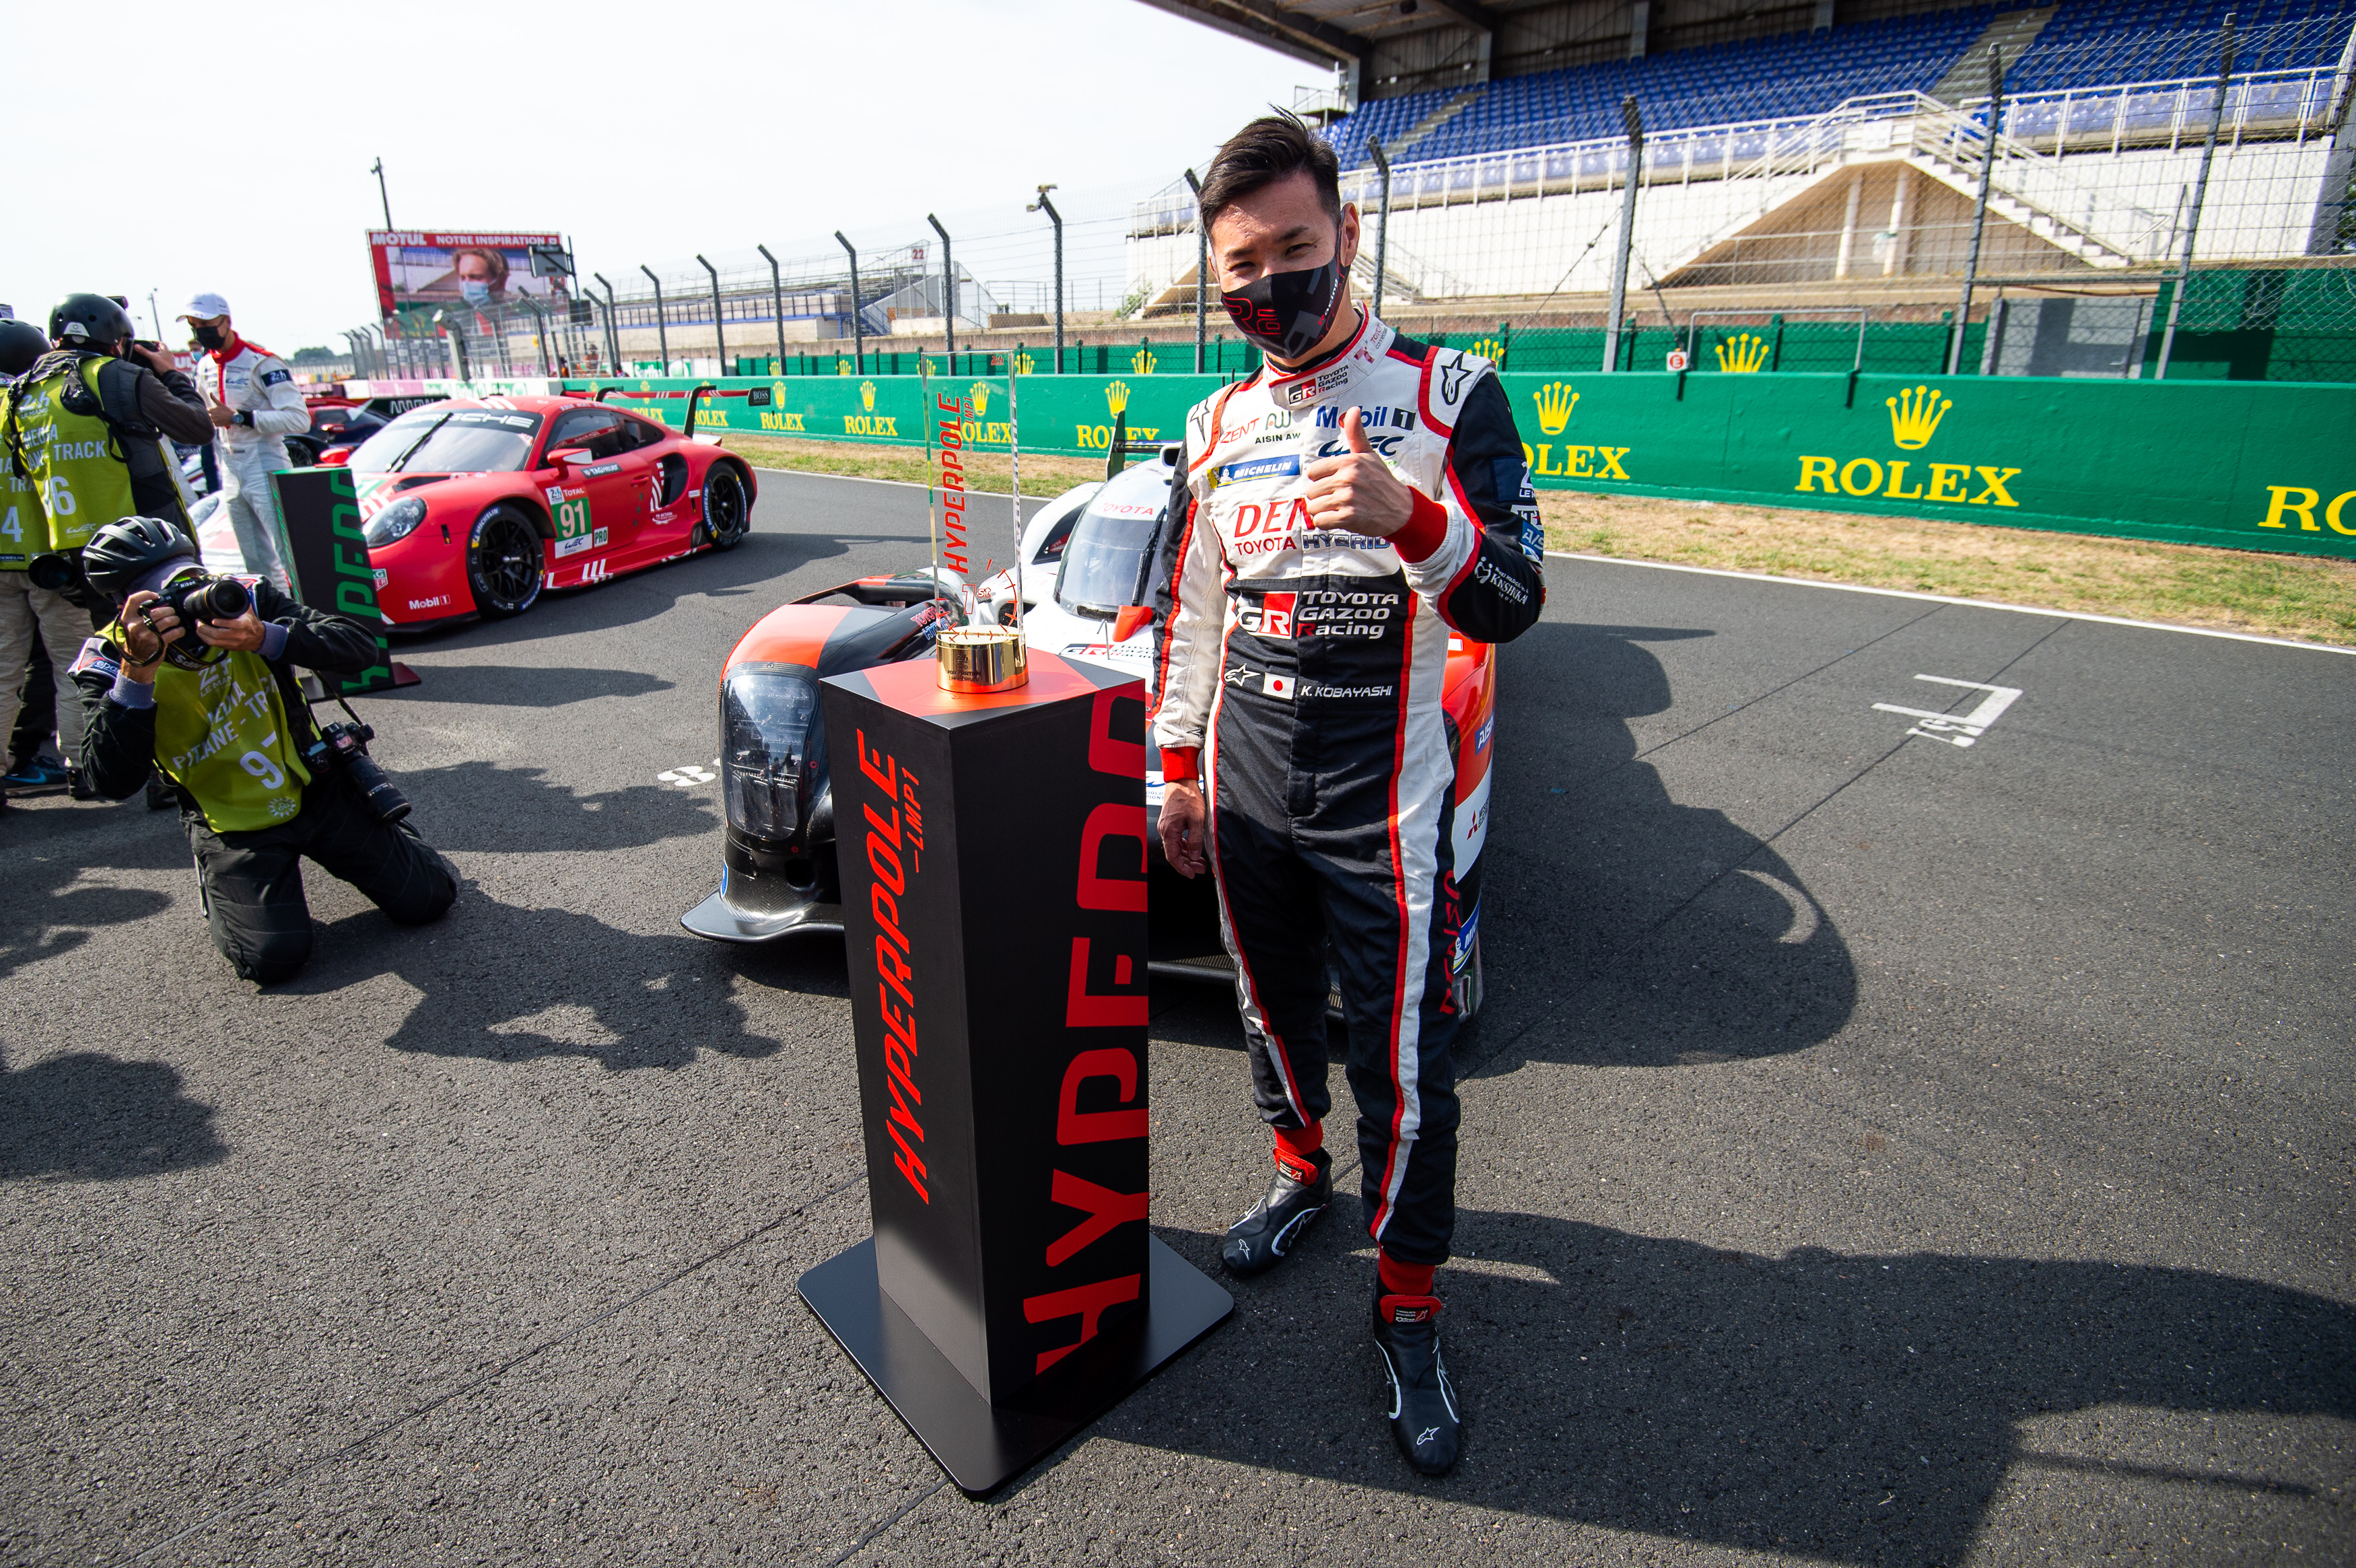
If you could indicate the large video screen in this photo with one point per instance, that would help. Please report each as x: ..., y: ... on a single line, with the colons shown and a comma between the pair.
x: 416, y: 268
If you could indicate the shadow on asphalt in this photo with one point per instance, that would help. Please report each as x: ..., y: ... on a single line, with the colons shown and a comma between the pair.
x: 1618, y: 926
x: 505, y: 686
x: 1862, y: 1408
x: 42, y: 913
x: 88, y: 1116
x: 500, y: 983
x: 481, y: 806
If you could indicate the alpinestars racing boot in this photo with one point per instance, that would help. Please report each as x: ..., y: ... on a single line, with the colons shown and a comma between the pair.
x: 1424, y: 1422
x: 1259, y: 1241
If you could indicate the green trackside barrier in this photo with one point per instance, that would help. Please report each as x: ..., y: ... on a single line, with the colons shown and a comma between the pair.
x: 2246, y: 465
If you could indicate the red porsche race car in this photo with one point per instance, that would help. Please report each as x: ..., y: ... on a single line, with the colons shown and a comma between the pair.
x: 474, y: 505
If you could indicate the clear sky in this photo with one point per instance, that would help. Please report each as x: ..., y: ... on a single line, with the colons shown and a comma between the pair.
x: 226, y: 146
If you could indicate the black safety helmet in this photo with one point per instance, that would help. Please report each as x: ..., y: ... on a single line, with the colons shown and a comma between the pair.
x: 21, y: 343
x: 99, y: 322
x: 127, y: 549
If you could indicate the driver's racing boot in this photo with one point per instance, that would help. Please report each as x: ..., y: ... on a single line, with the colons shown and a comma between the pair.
x: 1424, y: 1422
x: 1302, y: 1188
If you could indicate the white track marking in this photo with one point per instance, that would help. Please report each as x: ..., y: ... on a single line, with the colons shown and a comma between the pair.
x: 689, y: 776
x: 1949, y: 598
x: 1957, y: 728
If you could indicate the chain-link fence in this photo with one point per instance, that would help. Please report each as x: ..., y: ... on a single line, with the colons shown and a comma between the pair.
x: 2029, y: 227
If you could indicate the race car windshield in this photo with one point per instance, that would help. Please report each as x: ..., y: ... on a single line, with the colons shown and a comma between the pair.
x: 438, y: 440
x: 1103, y: 560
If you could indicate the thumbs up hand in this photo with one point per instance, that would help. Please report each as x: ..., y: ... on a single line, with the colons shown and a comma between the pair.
x: 1355, y: 491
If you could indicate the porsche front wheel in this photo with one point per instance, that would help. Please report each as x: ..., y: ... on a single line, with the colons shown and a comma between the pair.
x: 504, y: 563
x: 726, y: 518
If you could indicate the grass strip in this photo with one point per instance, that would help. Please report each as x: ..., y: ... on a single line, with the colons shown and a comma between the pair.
x: 2302, y: 597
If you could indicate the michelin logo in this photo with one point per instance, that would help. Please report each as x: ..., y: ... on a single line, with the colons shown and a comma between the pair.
x: 1284, y: 467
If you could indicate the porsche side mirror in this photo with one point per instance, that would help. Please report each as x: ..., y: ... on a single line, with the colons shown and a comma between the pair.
x: 570, y: 456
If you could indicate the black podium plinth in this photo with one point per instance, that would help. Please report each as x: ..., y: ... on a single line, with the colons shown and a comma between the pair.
x: 992, y: 853
x: 320, y: 512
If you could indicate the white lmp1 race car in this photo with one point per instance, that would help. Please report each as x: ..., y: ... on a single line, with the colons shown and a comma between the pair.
x: 1084, y: 561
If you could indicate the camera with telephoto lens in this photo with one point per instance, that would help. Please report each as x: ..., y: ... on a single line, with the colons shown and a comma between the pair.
x: 345, y: 747
x: 59, y: 572
x: 200, y: 596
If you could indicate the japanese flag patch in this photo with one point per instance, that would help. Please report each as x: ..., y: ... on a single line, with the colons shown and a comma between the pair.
x: 1277, y: 685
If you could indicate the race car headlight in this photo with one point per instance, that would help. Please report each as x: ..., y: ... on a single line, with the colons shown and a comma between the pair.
x: 397, y: 521
x: 766, y: 713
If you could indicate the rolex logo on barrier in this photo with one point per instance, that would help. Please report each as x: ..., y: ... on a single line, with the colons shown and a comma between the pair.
x: 1143, y: 361
x: 1116, y: 398
x: 1914, y: 416
x: 1024, y: 365
x: 1555, y: 402
x: 842, y: 367
x: 867, y: 396
x: 1492, y: 350
x: 1743, y: 354
x: 981, y: 390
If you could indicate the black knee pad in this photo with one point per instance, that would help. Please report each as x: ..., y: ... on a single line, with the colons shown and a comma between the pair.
x: 278, y: 956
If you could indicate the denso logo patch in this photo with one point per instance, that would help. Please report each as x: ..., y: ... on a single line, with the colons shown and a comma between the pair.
x: 1283, y: 467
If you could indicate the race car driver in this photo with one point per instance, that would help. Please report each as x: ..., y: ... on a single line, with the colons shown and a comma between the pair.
x: 1335, y: 520
x: 255, y: 405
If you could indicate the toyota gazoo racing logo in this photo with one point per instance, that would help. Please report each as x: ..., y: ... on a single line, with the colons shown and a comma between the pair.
x: 1317, y: 613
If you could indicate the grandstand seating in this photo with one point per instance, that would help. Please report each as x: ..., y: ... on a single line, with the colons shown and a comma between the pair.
x: 2089, y: 43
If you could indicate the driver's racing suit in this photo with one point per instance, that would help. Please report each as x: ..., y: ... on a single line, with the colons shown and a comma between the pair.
x: 256, y: 385
x: 1299, y: 671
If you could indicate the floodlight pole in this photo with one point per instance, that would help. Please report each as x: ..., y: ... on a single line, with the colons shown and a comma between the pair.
x: 1634, y: 119
x: 662, y: 328
x: 777, y: 299
x: 377, y: 168
x: 1979, y: 212
x: 858, y: 322
x: 1382, y: 220
x: 719, y: 335
x: 949, y: 291
x: 2199, y: 190
x: 1056, y: 217
x: 1202, y: 265
x: 613, y: 339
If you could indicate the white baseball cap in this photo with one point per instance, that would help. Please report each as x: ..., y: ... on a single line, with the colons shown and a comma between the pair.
x: 204, y: 307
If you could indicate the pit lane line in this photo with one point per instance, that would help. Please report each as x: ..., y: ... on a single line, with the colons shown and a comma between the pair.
x: 1949, y: 598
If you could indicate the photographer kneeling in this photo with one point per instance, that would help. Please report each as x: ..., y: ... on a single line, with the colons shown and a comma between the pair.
x: 195, y: 679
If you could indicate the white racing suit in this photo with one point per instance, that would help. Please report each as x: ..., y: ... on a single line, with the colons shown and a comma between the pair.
x: 1299, y: 670
x: 252, y: 381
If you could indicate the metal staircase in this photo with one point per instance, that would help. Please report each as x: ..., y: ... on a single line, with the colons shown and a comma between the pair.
x: 2011, y: 33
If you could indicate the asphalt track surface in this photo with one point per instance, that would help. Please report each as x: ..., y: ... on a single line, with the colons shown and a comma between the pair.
x: 1875, y: 1151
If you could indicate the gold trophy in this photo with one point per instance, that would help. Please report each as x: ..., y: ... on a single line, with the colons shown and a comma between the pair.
x: 982, y: 657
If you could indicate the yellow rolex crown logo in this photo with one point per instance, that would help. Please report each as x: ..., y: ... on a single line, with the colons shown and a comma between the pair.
x: 777, y: 393
x: 842, y: 367
x: 1023, y: 364
x: 1914, y: 416
x: 867, y: 396
x: 1745, y: 354
x: 981, y: 399
x: 1555, y: 402
x: 1116, y: 398
x: 1492, y: 350
x: 1142, y: 362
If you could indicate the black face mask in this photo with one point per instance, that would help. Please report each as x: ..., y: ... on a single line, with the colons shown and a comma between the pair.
x: 1287, y: 313
x: 208, y: 337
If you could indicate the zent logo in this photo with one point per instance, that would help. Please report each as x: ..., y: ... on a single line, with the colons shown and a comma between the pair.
x: 1914, y: 417
x: 1555, y: 402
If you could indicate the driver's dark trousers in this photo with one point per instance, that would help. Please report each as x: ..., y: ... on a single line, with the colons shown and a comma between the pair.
x: 251, y: 881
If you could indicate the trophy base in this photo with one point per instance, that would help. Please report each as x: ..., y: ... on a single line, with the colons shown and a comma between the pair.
x: 975, y: 659
x: 983, y: 1445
